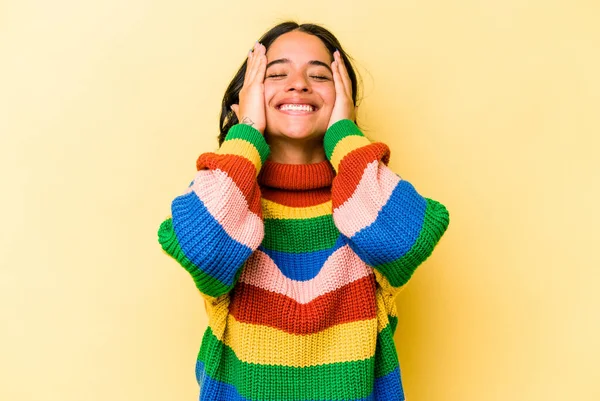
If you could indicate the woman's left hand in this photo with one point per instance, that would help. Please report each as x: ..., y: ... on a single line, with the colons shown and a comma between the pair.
x: 343, y: 107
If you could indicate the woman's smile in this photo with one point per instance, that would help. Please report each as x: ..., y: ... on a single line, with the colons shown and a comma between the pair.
x: 299, y: 88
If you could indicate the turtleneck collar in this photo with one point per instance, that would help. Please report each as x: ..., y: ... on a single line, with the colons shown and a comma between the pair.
x: 296, y: 176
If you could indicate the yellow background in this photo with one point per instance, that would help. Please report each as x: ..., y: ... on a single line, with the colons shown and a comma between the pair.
x: 490, y: 107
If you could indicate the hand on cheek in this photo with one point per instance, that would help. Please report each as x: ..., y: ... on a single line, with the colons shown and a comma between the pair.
x: 251, y: 110
x: 343, y: 107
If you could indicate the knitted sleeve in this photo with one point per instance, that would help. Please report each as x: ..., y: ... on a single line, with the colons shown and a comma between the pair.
x: 217, y: 223
x: 389, y: 225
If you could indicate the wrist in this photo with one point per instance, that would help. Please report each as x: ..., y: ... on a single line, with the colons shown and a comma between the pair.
x: 250, y: 122
x: 341, y: 138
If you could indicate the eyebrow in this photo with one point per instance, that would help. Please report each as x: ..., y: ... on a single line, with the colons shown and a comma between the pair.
x: 287, y: 61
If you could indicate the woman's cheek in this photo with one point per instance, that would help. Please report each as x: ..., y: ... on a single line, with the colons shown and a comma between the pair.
x: 268, y: 93
x: 329, y: 99
x: 268, y: 87
x: 328, y: 93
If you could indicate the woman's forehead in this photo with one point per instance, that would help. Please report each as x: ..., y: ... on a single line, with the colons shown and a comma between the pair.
x: 298, y: 47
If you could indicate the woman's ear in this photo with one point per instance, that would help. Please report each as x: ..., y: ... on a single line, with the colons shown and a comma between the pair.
x: 236, y: 109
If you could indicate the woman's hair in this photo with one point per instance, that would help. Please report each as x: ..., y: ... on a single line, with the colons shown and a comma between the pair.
x: 228, y: 118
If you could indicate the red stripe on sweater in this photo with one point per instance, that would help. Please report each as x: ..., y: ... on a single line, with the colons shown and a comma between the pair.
x: 240, y: 170
x: 297, y: 198
x: 352, y: 167
x: 352, y: 302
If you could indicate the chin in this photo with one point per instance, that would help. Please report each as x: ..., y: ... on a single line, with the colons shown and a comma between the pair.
x: 291, y: 132
x: 295, y: 135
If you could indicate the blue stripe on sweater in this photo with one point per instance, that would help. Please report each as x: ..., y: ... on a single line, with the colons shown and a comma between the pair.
x: 389, y: 387
x: 302, y: 266
x: 204, y: 242
x: 386, y: 388
x: 396, y: 228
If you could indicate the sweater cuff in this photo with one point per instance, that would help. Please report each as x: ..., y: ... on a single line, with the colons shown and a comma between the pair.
x: 245, y: 141
x: 342, y: 138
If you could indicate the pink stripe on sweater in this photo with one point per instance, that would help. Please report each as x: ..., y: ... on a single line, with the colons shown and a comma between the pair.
x: 371, y: 194
x: 341, y: 268
x: 226, y: 203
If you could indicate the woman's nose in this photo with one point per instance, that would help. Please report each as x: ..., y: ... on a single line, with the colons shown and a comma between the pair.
x: 298, y: 82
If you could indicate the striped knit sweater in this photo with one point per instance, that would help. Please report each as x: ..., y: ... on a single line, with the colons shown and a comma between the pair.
x: 299, y: 266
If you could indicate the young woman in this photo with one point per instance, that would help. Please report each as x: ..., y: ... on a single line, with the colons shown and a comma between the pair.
x: 297, y: 234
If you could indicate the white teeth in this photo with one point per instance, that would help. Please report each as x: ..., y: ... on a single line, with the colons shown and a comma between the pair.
x: 296, y: 107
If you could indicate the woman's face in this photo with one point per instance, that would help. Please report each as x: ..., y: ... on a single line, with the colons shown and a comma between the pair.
x: 299, y: 90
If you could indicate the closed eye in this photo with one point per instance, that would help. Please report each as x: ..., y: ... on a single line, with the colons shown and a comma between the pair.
x: 276, y: 76
x: 321, y: 77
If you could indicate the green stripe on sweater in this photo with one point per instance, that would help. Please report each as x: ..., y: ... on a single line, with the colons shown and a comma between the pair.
x: 300, y: 235
x: 386, y: 358
x: 296, y: 383
x: 206, y: 283
x: 252, y: 135
x: 436, y: 220
x: 336, y: 133
x: 393, y: 323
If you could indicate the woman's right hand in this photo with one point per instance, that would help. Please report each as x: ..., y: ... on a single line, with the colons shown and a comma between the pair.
x: 251, y: 110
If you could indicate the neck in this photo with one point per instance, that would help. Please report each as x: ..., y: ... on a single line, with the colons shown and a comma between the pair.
x: 286, y: 151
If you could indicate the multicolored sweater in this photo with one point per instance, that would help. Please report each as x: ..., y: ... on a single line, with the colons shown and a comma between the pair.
x: 299, y: 266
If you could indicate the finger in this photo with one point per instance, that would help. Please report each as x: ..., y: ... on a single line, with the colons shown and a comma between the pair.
x: 262, y: 66
x: 337, y: 80
x: 344, y: 74
x: 250, y: 62
x: 258, y: 59
x: 254, y: 65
